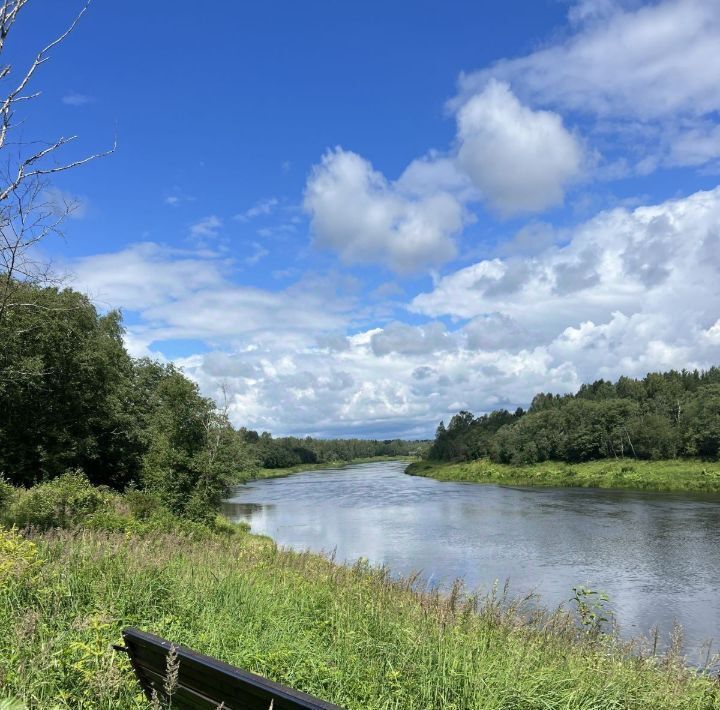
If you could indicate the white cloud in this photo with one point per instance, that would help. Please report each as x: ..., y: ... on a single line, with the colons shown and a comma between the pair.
x: 629, y: 291
x: 207, y: 227
x: 514, y: 158
x: 357, y: 212
x: 519, y: 159
x: 648, y: 75
x: 652, y: 61
x: 410, y: 340
x: 65, y: 204
x: 622, y: 296
x: 261, y: 208
x: 259, y: 252
x: 435, y: 173
x: 76, y: 99
x: 142, y: 275
x: 190, y: 295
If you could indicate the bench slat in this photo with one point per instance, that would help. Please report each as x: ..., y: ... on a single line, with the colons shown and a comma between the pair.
x: 205, y: 682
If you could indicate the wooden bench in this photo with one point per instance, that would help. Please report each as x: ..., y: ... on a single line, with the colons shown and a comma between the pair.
x: 204, y: 682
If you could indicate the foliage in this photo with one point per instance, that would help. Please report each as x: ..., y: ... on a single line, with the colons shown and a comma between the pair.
x: 70, y: 502
x: 7, y: 495
x: 662, y: 416
x: 65, y: 384
x: 593, y: 608
x: 63, y: 502
x: 18, y: 556
x: 192, y: 453
x: 72, y: 398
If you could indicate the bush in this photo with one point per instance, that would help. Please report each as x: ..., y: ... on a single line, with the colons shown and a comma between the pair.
x: 63, y: 502
x: 17, y: 555
x: 160, y: 521
x: 142, y: 505
x: 7, y: 495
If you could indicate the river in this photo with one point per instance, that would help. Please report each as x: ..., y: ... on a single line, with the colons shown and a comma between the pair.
x: 656, y: 555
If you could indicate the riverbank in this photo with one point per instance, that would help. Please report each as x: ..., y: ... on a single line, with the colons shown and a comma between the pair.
x: 680, y: 475
x: 350, y: 635
x: 280, y: 472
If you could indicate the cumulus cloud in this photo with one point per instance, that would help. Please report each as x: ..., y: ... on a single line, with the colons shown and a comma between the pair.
x: 629, y: 291
x: 644, y: 72
x: 519, y: 159
x: 357, y: 212
x: 410, y: 340
x: 514, y: 158
x: 620, y: 297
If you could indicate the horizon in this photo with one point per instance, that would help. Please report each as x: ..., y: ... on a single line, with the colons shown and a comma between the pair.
x: 360, y: 221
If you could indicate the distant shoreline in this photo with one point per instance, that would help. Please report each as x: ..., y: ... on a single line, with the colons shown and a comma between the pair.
x: 676, y: 475
x: 303, y: 467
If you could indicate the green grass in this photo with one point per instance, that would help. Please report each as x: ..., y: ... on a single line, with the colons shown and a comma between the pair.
x: 279, y: 472
x: 350, y: 635
x: 676, y: 475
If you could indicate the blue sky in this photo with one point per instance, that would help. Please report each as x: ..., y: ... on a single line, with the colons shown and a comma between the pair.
x: 356, y: 219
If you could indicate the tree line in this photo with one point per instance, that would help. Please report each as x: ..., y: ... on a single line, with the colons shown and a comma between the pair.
x: 285, y: 452
x: 72, y: 399
x: 664, y: 415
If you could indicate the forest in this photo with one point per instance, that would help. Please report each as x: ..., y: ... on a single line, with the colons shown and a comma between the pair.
x: 73, y: 400
x: 665, y: 415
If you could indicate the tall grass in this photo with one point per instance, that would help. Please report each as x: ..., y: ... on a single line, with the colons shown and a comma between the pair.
x: 680, y: 475
x: 351, y: 635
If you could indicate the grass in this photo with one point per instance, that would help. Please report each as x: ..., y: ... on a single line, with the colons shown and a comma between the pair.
x: 675, y: 475
x: 351, y: 635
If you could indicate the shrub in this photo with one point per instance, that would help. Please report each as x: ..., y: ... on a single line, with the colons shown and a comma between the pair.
x: 7, y: 495
x: 142, y: 504
x: 63, y: 502
x: 17, y: 555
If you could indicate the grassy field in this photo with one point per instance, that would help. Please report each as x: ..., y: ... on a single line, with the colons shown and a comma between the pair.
x: 349, y: 635
x: 675, y: 475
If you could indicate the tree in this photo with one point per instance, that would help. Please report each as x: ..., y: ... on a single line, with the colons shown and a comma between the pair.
x: 66, y: 388
x: 27, y: 214
x: 192, y: 454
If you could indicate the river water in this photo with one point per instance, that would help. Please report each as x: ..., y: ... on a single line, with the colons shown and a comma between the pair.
x: 656, y: 555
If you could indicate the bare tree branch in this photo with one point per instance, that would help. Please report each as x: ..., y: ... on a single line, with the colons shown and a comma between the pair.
x: 27, y: 214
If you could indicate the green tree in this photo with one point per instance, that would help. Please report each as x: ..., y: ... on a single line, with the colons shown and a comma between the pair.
x: 192, y: 454
x: 65, y: 385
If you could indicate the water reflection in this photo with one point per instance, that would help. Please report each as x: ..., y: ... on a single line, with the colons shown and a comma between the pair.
x: 241, y: 511
x: 656, y: 555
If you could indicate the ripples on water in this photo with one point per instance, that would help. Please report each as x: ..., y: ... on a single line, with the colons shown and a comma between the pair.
x: 656, y: 555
